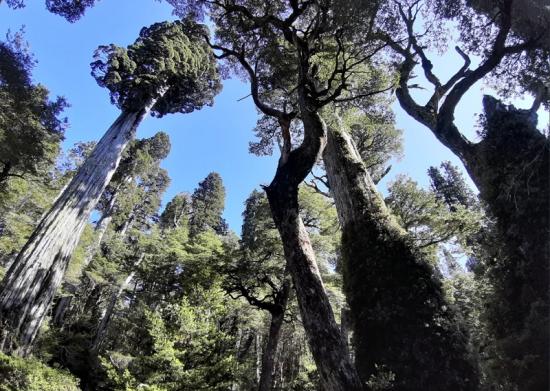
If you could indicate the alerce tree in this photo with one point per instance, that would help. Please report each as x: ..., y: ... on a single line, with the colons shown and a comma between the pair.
x: 509, y: 164
x: 169, y: 69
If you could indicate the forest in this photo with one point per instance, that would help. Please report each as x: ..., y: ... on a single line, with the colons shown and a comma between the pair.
x: 344, y: 271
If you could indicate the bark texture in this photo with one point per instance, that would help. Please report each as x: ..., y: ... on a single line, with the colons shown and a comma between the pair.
x: 270, y: 351
x: 401, y: 321
x: 108, y: 312
x: 31, y: 282
x: 511, y: 168
x: 326, y: 343
x: 100, y: 229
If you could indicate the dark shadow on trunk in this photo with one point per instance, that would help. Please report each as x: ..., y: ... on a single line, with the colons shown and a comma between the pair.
x: 401, y: 321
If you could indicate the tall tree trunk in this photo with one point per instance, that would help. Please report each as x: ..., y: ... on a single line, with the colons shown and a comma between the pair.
x: 107, y: 314
x: 31, y: 282
x: 268, y: 358
x: 326, y: 343
x: 258, y: 349
x: 122, y: 230
x: 100, y: 229
x: 511, y: 168
x: 400, y: 319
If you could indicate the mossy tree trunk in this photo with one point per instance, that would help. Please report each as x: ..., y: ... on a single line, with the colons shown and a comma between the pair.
x: 511, y: 168
x: 32, y: 281
x: 400, y: 319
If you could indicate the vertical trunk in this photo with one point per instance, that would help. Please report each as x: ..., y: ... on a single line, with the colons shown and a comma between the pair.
x: 258, y: 357
x: 63, y: 304
x: 238, y: 341
x: 344, y: 324
x: 107, y: 314
x: 60, y: 310
x: 127, y: 225
x: 100, y: 229
x: 399, y: 316
x: 30, y: 284
x: 331, y: 356
x: 4, y: 174
x: 268, y: 358
x: 511, y: 168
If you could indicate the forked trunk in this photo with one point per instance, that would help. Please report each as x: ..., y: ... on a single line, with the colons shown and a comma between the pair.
x: 326, y: 343
x: 31, y: 282
x: 400, y: 319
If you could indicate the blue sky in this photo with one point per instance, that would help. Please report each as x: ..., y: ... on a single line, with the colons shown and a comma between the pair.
x: 212, y: 139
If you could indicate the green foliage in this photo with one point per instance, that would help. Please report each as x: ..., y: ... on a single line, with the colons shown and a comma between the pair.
x: 430, y: 221
x: 177, y: 212
x: 185, y: 347
x: 169, y: 62
x: 30, y: 127
x: 21, y: 207
x: 450, y: 187
x: 29, y: 374
x: 208, y: 202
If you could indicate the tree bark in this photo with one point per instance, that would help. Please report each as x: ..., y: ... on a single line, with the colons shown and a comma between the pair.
x: 268, y: 358
x: 122, y: 230
x: 399, y: 316
x: 511, y: 168
x: 100, y: 229
x: 326, y: 343
x: 4, y: 174
x: 31, y: 282
x: 107, y: 314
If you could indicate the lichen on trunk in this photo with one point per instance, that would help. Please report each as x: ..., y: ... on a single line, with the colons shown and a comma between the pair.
x: 404, y: 332
x: 32, y: 281
x: 511, y: 168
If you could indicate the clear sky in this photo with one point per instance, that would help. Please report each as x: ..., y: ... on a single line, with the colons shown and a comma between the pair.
x: 212, y: 139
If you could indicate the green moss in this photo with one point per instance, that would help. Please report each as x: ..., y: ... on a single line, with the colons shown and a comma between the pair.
x: 18, y: 374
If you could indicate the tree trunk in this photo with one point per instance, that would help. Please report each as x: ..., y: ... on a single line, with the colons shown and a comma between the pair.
x: 30, y: 284
x: 268, y: 358
x: 100, y: 229
x: 60, y: 309
x: 122, y: 230
x: 326, y: 343
x: 511, y: 168
x: 4, y: 174
x: 109, y: 310
x: 399, y: 316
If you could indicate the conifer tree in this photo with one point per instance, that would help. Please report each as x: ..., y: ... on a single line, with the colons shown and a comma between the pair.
x: 168, y: 69
x: 510, y: 164
x: 207, y: 204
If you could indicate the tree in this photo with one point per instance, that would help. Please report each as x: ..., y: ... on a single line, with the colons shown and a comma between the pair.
x: 449, y: 186
x: 256, y: 272
x: 30, y: 127
x: 167, y: 70
x: 509, y: 165
x: 267, y: 42
x: 177, y: 212
x: 381, y: 266
x: 140, y: 160
x: 207, y: 204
